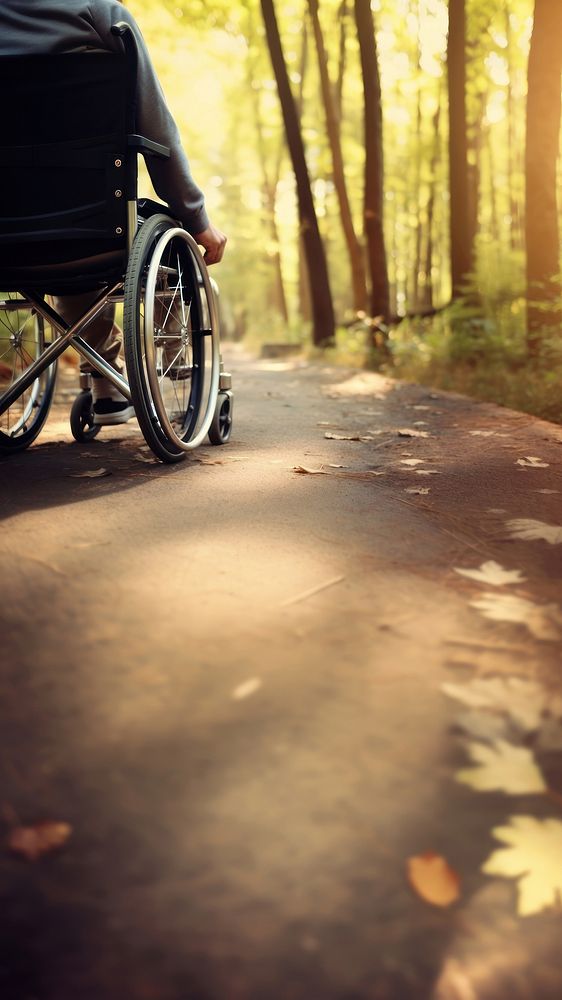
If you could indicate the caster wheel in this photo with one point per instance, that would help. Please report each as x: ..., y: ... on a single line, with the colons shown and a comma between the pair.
x: 82, y: 418
x: 221, y: 426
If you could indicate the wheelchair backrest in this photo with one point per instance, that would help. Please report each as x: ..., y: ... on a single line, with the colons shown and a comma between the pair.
x: 63, y: 150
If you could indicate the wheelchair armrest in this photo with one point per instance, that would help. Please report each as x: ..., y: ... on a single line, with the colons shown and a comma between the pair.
x: 143, y: 145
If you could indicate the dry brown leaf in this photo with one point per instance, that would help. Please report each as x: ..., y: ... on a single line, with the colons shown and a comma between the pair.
x: 421, y: 491
x: 304, y: 471
x: 532, y: 462
x: 93, y: 474
x: 32, y: 842
x: 433, y: 879
x: 411, y: 432
x: 342, y: 437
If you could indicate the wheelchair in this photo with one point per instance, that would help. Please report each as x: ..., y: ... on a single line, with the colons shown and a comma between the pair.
x: 71, y: 222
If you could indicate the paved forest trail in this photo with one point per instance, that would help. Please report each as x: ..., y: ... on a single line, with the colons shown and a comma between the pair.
x: 255, y: 693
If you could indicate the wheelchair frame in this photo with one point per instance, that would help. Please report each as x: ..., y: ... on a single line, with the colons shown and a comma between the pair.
x: 151, y: 285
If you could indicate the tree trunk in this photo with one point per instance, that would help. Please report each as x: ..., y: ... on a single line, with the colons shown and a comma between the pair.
x: 342, y: 59
x: 513, y: 163
x: 354, y: 249
x: 304, y: 281
x: 462, y: 234
x: 418, y: 156
x: 323, y: 322
x: 428, y: 268
x: 374, y: 179
x: 541, y: 156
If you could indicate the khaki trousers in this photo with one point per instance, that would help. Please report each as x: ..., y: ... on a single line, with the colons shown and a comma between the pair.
x: 102, y: 334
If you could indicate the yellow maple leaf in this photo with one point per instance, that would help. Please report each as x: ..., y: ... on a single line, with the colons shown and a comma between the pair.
x: 534, y: 855
x: 503, y: 768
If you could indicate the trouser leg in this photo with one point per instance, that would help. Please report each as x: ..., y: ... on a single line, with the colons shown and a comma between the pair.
x: 103, y: 333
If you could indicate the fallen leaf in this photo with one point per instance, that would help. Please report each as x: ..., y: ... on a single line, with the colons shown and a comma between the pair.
x: 331, y: 465
x: 529, y: 530
x: 342, y: 437
x: 534, y: 856
x: 433, y: 879
x: 139, y: 457
x: 304, y: 471
x: 411, y: 432
x: 32, y: 842
x: 412, y: 461
x: 418, y: 406
x: 427, y: 472
x: 523, y: 700
x: 483, y: 725
x: 532, y: 462
x: 542, y: 620
x: 484, y: 434
x: 502, y: 767
x: 421, y: 491
x: 549, y: 739
x: 493, y: 574
x: 247, y: 689
x: 546, y: 492
x: 93, y: 474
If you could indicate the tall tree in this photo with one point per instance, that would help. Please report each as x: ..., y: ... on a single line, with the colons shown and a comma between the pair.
x: 270, y: 177
x: 323, y: 321
x: 374, y: 176
x: 354, y: 248
x: 541, y: 157
x: 461, y: 223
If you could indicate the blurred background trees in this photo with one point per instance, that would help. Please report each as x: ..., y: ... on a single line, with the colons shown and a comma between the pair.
x: 387, y: 172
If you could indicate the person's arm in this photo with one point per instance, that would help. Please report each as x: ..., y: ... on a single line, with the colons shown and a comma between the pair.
x: 172, y: 178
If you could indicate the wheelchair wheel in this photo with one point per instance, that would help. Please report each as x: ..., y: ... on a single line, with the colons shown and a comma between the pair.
x: 171, y: 339
x: 82, y: 417
x: 22, y: 341
x: 221, y: 425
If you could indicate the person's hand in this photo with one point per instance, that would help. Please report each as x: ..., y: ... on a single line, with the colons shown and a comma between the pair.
x: 213, y: 242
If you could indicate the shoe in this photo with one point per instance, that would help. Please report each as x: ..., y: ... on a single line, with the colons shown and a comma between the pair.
x: 110, y: 406
x: 110, y: 411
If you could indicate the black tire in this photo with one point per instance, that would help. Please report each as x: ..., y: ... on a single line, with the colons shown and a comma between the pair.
x: 171, y: 339
x: 82, y: 417
x: 22, y: 340
x: 221, y: 427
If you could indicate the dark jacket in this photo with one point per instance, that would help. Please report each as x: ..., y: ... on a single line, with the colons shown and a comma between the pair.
x: 50, y: 26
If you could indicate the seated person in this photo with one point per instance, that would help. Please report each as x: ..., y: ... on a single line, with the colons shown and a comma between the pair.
x: 29, y: 27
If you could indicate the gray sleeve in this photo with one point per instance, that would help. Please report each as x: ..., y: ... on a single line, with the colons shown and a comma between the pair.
x: 171, y: 178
